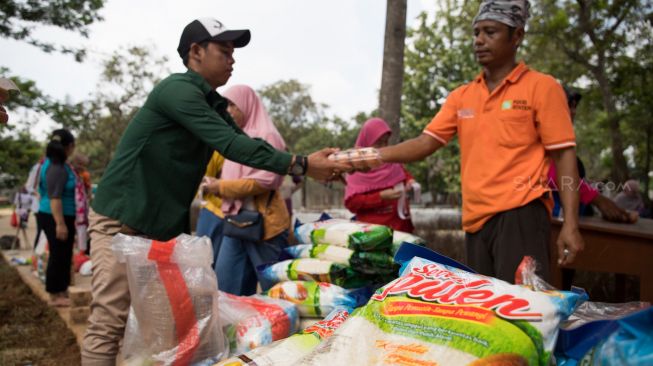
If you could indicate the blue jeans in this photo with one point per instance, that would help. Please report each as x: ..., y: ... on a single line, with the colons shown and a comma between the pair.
x: 238, y: 259
x: 208, y: 224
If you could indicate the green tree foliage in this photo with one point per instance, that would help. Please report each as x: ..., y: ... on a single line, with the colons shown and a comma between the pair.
x: 19, y: 19
x: 17, y: 155
x: 597, y: 39
x: 302, y: 121
x: 128, y: 75
x: 438, y: 58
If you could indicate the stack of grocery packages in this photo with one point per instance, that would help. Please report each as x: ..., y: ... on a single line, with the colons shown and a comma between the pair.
x: 339, y: 255
x: 431, y: 314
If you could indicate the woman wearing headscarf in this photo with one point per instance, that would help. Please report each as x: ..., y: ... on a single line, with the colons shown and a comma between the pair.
x: 379, y: 196
x: 242, y: 187
x: 63, y: 202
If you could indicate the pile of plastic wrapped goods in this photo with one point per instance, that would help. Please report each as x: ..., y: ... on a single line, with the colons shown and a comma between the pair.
x: 346, y: 253
x: 435, y: 314
x: 340, y: 255
x: 174, y: 318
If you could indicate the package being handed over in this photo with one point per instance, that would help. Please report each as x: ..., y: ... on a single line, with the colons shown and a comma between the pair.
x: 309, y: 269
x: 313, y: 299
x: 438, y: 315
x: 364, y: 262
x: 289, y: 350
x: 354, y: 235
x: 254, y: 321
x: 173, y: 318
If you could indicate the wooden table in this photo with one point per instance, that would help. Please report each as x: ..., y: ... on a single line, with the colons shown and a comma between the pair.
x: 609, y: 247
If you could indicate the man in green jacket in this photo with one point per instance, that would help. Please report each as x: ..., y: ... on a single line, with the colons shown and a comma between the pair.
x: 149, y: 185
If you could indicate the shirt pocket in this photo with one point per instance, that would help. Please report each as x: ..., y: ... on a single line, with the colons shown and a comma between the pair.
x: 515, y: 128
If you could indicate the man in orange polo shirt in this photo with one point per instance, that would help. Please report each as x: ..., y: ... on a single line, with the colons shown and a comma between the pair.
x: 510, y: 121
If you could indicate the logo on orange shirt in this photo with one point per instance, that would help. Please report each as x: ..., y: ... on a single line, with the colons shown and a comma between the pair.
x: 519, y: 104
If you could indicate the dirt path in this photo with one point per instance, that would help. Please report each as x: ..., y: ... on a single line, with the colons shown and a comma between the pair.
x: 31, y: 332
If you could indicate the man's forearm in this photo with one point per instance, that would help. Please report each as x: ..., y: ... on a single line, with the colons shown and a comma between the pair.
x: 415, y: 149
x: 568, y: 183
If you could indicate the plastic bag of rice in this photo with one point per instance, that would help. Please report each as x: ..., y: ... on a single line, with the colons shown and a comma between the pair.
x: 313, y: 299
x: 253, y: 321
x: 400, y: 237
x: 364, y: 262
x: 438, y: 315
x: 354, y: 235
x: 309, y: 269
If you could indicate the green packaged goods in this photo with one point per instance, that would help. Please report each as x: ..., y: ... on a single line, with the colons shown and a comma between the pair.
x: 354, y: 235
x: 364, y: 262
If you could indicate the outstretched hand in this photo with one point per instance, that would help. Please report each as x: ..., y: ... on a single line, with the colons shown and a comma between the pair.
x: 322, y: 169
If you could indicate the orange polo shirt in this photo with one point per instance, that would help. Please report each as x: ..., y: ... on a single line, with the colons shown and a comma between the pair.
x: 503, y: 139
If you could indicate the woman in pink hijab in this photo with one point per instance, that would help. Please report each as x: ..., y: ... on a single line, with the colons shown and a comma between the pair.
x: 379, y: 196
x: 243, y: 187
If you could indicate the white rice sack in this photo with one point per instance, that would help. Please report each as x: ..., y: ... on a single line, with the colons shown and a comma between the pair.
x: 438, y: 315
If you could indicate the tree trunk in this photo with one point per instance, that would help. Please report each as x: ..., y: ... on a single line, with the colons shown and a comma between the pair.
x: 393, y: 65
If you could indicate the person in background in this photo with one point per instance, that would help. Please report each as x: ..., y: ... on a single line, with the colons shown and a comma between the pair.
x: 80, y: 163
x: 630, y: 198
x: 379, y: 195
x: 510, y: 121
x: 290, y: 185
x: 210, y: 220
x: 588, y: 195
x: 32, y: 187
x: 57, y: 182
x: 6, y: 87
x: 244, y: 187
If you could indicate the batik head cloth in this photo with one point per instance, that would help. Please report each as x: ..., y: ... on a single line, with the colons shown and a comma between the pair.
x: 513, y: 13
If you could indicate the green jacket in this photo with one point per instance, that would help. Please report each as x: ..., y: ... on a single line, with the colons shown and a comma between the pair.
x: 159, y: 163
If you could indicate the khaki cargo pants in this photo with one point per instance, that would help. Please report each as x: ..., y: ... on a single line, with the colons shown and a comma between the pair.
x: 110, y: 305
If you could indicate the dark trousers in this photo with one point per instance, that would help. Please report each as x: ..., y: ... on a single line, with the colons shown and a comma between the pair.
x: 57, y: 275
x: 498, y: 248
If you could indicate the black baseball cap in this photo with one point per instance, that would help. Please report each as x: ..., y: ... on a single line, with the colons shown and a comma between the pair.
x: 209, y: 29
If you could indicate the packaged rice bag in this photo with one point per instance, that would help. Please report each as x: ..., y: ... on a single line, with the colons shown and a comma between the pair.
x: 364, y: 262
x: 400, y: 237
x: 309, y: 269
x: 439, y: 315
x: 288, y: 351
x: 312, y: 298
x: 354, y: 235
x: 254, y: 321
x: 174, y: 313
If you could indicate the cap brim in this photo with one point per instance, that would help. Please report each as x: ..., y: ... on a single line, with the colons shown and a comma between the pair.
x: 240, y: 38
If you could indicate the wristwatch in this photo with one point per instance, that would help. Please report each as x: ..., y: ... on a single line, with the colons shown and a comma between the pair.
x: 299, y: 166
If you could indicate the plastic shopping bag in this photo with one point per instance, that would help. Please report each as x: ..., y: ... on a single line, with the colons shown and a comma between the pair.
x: 173, y: 319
